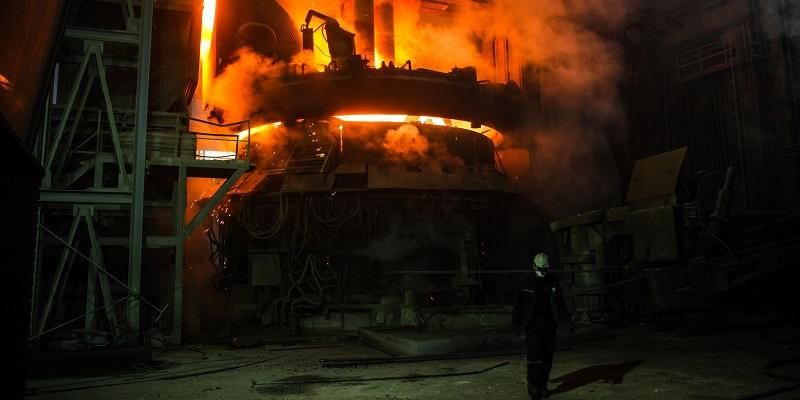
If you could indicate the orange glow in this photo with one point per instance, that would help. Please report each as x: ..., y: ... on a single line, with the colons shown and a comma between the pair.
x: 491, y: 133
x: 432, y: 120
x: 379, y: 58
x: 373, y: 118
x: 206, y: 36
x: 259, y: 129
x: 4, y: 83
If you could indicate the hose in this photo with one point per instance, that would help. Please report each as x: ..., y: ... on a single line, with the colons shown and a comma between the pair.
x: 387, y: 378
x: 35, y: 392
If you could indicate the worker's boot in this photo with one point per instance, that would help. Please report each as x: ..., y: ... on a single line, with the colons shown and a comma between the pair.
x: 534, y: 392
x: 543, y: 393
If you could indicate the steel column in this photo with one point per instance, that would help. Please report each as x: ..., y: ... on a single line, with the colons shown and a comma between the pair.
x: 37, y: 270
x: 105, y: 287
x: 180, y: 221
x: 91, y: 295
x: 137, y: 204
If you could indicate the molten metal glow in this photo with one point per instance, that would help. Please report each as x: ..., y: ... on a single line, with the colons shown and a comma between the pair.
x: 489, y: 132
x: 432, y: 120
x: 206, y: 36
x: 373, y: 118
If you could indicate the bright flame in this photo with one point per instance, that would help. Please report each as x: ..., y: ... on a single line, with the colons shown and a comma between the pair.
x: 432, y: 120
x: 206, y: 35
x: 491, y: 133
x: 373, y: 118
x: 215, y: 155
x: 259, y: 129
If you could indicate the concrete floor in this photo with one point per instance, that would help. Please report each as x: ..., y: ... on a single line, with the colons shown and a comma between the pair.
x: 637, y: 363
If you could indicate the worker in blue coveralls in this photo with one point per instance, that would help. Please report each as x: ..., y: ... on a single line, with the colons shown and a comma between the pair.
x: 538, y: 311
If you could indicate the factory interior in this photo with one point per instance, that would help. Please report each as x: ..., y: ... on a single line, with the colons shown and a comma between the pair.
x: 345, y: 199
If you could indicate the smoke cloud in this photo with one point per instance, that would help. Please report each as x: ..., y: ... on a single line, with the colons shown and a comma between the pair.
x: 567, y: 47
x: 240, y: 90
x: 578, y: 65
x: 406, y: 143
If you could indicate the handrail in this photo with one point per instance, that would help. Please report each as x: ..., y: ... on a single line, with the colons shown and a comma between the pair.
x: 328, y: 156
x: 177, y: 125
x: 231, y: 137
x: 211, y: 134
x: 220, y: 125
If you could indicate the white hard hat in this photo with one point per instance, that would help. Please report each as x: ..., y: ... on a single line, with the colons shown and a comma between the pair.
x: 541, y: 261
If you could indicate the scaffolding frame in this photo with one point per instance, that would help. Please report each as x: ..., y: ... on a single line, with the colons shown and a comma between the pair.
x: 143, y: 145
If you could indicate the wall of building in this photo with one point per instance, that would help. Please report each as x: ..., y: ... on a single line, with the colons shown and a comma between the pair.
x: 29, y: 29
x: 715, y: 76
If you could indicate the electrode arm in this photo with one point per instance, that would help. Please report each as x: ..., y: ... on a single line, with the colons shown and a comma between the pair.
x: 313, y: 13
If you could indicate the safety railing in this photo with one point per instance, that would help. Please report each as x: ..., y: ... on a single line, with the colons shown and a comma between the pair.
x: 168, y: 135
x: 216, y: 144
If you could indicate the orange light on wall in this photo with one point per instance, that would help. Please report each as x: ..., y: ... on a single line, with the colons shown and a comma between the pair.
x: 5, y: 83
x: 206, y: 37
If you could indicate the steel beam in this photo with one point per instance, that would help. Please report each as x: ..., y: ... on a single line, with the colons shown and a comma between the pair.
x: 37, y: 270
x: 84, y: 197
x: 73, y: 94
x: 105, y: 287
x: 74, y: 127
x: 180, y: 220
x: 215, y: 199
x: 91, y: 295
x: 102, y: 35
x: 140, y: 143
x: 112, y: 121
x: 62, y: 263
x: 150, y: 242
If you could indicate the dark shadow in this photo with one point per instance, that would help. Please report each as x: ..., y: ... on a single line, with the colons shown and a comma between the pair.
x: 609, y: 373
x: 300, y: 384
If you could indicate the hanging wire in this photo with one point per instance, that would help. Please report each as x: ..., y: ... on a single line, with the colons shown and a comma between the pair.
x: 108, y: 274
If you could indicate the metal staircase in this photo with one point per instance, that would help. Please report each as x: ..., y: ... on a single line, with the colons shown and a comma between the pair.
x: 312, y: 154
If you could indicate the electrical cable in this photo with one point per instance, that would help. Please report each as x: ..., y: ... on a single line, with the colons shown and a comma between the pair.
x: 387, y: 378
x: 35, y: 392
x: 322, y: 51
x: 78, y: 318
x: 770, y: 393
x: 108, y: 274
x: 352, y: 362
x: 779, y: 362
